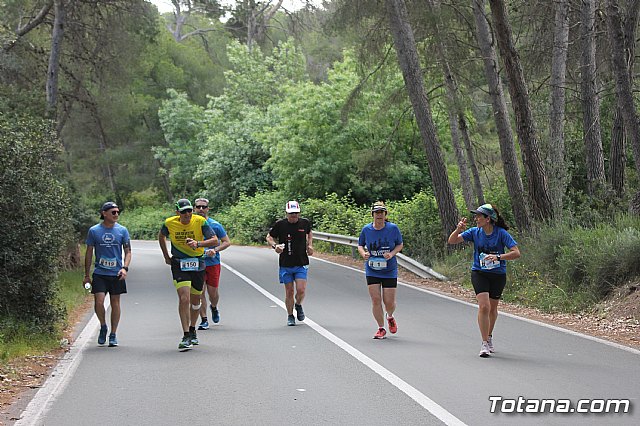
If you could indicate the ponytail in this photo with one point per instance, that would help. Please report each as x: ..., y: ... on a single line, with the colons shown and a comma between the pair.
x: 500, y: 222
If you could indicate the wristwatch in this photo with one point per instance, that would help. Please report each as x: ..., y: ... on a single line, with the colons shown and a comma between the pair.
x: 126, y: 268
x: 498, y: 256
x: 273, y: 246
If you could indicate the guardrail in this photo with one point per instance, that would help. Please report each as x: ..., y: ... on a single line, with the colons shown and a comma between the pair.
x: 404, y: 261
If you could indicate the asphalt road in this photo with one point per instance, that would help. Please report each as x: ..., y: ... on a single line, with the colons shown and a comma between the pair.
x: 252, y: 369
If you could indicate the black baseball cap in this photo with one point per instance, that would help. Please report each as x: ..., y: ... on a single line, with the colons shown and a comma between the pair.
x: 183, y: 204
x: 108, y: 206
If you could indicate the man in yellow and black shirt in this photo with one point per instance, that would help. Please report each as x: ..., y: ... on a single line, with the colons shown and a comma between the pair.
x: 189, y: 234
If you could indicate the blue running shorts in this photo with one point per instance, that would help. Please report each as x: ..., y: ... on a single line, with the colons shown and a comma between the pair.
x: 289, y: 274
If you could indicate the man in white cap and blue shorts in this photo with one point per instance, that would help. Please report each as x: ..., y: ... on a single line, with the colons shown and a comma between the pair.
x: 292, y: 239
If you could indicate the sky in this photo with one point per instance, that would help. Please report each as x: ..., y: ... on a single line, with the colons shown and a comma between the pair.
x: 166, y: 6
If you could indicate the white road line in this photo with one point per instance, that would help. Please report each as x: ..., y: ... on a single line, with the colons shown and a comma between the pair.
x: 531, y: 321
x: 426, y: 402
x: 60, y: 376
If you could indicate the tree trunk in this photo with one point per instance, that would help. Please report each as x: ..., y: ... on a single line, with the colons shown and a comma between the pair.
x: 556, y: 165
x: 623, y: 82
x: 406, y: 50
x: 618, y: 154
x: 591, y: 102
x: 465, y: 179
x: 456, y: 115
x: 525, y: 124
x: 57, y: 35
x: 258, y: 20
x: 503, y: 125
x: 251, y: 25
x: 462, y: 122
x: 103, y: 145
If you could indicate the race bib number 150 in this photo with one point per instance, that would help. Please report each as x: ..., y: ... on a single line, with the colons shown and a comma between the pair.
x: 190, y: 264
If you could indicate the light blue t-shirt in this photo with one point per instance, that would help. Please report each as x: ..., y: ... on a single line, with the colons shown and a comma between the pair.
x: 218, y: 229
x: 378, y: 242
x: 107, y: 247
x: 489, y: 244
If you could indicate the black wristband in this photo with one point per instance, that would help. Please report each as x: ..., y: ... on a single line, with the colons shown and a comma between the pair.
x: 273, y: 246
x: 126, y: 268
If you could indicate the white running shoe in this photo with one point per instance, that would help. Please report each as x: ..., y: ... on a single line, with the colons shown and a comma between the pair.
x: 484, y: 350
x: 490, y: 344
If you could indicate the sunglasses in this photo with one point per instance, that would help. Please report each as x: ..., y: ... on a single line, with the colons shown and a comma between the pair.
x: 185, y: 211
x: 202, y: 207
x: 115, y: 212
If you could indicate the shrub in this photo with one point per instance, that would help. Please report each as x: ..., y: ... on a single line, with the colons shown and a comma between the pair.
x: 144, y: 223
x: 32, y: 245
x: 249, y: 220
x: 568, y: 268
x: 419, y: 222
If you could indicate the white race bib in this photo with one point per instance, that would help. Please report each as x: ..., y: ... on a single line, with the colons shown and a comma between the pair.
x: 377, y: 263
x: 484, y: 264
x: 108, y: 263
x: 190, y: 264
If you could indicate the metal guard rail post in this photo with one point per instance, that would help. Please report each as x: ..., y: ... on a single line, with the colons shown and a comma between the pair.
x: 404, y: 261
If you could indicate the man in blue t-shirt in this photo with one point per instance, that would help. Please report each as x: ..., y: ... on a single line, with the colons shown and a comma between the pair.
x: 212, y: 266
x: 108, y: 240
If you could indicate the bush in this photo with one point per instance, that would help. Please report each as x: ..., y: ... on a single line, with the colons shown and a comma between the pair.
x: 249, y: 220
x: 32, y: 249
x: 144, y: 223
x: 419, y: 222
x: 568, y: 268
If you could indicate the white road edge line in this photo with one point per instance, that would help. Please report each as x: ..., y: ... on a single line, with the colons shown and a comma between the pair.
x: 540, y: 323
x: 426, y: 402
x: 60, y: 376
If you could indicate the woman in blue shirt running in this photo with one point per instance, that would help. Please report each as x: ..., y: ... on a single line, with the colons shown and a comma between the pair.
x: 378, y: 244
x: 489, y: 269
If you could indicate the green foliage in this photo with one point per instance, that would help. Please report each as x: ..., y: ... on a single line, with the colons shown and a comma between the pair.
x: 233, y: 159
x: 233, y: 156
x: 144, y: 223
x: 31, y: 253
x: 419, y: 222
x: 249, y: 220
x: 182, y: 123
x: 19, y: 337
x: 149, y: 197
x: 343, y: 136
x: 336, y: 215
x: 568, y: 268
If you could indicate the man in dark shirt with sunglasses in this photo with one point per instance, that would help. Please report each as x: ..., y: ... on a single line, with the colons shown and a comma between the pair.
x: 108, y: 240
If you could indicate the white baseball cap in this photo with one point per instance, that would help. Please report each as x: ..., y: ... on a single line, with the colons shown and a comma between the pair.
x: 292, y: 207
